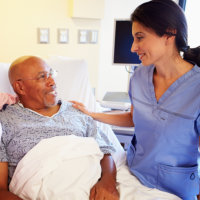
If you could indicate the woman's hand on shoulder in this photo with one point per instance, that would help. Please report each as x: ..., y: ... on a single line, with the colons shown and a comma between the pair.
x: 80, y: 106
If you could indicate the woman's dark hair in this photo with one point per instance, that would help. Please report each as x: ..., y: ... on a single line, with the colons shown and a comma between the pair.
x: 193, y: 54
x: 167, y: 17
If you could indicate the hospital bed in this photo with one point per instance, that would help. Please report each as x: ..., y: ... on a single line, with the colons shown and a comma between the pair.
x: 73, y: 84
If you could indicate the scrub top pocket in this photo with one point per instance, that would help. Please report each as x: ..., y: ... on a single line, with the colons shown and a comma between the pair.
x: 182, y: 181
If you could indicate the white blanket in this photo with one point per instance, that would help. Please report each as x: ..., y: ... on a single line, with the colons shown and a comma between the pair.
x: 66, y: 167
x: 59, y: 168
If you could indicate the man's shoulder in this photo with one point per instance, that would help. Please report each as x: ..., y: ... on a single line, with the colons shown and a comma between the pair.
x: 9, y: 111
x: 7, y: 116
x: 9, y: 108
x: 67, y: 107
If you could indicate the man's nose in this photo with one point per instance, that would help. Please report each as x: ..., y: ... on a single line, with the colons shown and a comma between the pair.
x: 51, y: 81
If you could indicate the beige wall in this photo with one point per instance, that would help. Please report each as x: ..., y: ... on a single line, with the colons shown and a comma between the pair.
x: 19, y: 21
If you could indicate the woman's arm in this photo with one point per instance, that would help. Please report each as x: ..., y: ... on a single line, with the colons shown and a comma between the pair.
x: 4, y: 193
x: 120, y: 119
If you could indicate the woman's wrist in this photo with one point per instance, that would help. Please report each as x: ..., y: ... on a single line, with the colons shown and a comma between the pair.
x: 92, y: 114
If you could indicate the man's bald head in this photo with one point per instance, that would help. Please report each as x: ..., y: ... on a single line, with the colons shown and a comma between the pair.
x: 32, y: 81
x: 19, y: 67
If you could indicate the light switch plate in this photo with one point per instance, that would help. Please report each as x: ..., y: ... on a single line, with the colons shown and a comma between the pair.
x: 43, y: 35
x: 63, y: 35
x: 83, y: 36
x: 93, y: 36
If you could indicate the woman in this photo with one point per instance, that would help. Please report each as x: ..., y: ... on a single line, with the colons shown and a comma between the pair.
x: 165, y: 97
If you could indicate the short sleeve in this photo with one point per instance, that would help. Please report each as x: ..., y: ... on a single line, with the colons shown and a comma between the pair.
x: 93, y: 131
x: 197, y: 125
x: 3, y: 155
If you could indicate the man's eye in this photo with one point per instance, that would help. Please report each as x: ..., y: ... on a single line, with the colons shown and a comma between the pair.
x: 42, y: 76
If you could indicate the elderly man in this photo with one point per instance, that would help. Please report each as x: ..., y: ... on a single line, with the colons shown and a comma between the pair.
x: 37, y: 116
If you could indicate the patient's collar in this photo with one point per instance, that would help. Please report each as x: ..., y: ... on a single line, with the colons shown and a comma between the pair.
x: 22, y: 106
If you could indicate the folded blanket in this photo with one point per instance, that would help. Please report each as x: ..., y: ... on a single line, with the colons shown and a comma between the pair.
x: 6, y: 99
x: 59, y: 168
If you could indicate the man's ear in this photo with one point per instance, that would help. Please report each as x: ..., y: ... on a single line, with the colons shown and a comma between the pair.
x: 18, y: 87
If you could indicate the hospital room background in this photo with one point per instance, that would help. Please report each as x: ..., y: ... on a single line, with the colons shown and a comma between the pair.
x: 21, y: 20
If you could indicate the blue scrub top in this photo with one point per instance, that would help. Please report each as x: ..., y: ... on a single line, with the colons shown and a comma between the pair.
x: 163, y: 152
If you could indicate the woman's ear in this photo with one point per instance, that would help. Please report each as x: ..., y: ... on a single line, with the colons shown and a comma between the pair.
x: 171, y: 33
x: 18, y: 87
x: 170, y: 36
x: 170, y: 39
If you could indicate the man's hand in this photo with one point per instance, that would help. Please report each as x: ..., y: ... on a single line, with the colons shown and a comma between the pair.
x: 104, y: 189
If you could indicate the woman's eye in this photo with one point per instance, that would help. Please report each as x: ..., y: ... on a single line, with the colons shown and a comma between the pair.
x: 139, y: 38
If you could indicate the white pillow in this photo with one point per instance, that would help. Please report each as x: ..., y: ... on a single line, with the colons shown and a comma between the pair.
x: 5, y: 86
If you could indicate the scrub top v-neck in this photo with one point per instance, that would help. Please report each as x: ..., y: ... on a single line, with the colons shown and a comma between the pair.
x: 163, y: 152
x: 173, y: 86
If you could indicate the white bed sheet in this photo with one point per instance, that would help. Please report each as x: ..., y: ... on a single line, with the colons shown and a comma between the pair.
x: 66, y: 167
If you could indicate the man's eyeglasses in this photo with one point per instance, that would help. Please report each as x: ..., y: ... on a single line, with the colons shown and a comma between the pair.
x: 43, y: 76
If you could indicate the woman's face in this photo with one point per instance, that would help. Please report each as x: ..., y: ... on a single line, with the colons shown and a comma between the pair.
x: 150, y: 47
